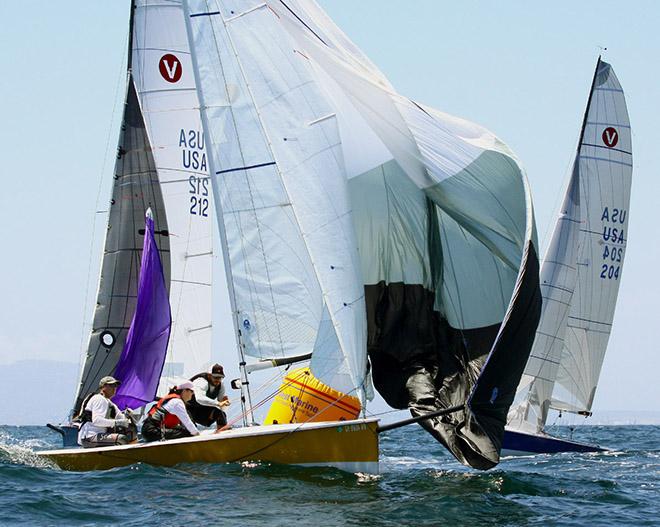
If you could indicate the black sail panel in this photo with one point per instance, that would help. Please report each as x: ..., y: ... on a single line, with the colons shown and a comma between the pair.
x: 436, y: 278
x: 135, y: 189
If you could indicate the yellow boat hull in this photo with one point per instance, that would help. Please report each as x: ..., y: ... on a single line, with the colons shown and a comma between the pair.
x: 348, y: 445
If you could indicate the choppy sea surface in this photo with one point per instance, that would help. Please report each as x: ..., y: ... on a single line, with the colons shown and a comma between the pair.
x: 419, y: 484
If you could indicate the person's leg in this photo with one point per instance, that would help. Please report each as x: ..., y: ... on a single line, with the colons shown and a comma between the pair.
x: 100, y: 440
x: 176, y: 433
x: 220, y: 418
x: 150, y: 431
x: 200, y: 414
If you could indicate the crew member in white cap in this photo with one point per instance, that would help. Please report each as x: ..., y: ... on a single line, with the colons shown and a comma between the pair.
x: 168, y: 418
x: 102, y: 422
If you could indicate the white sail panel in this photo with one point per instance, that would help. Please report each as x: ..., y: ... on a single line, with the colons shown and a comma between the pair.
x: 293, y: 257
x: 165, y: 82
x: 605, y: 166
x: 558, y: 281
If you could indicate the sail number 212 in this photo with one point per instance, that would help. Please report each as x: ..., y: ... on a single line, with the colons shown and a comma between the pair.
x: 199, y: 201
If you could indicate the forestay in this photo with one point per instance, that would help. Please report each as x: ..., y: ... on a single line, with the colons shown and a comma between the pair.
x: 280, y: 185
x: 162, y: 69
x: 447, y: 244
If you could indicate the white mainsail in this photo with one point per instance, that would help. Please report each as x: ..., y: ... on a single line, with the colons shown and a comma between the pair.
x: 164, y: 79
x: 581, y: 272
x: 280, y: 185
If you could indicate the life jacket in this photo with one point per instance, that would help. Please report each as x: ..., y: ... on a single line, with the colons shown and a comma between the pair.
x: 85, y: 415
x: 162, y: 416
x: 212, y: 391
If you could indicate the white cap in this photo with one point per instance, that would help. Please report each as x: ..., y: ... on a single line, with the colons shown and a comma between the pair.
x: 186, y: 386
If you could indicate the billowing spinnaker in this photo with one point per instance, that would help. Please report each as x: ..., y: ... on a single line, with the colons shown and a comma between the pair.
x: 447, y: 242
x: 165, y: 83
x: 135, y: 188
x: 605, y: 167
x: 142, y: 359
x: 280, y: 186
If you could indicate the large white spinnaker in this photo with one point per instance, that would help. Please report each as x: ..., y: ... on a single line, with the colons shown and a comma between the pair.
x: 165, y: 82
x: 582, y: 268
x: 280, y: 185
x: 447, y: 242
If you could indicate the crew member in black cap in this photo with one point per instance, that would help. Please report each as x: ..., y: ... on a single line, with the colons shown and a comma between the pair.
x: 206, y: 406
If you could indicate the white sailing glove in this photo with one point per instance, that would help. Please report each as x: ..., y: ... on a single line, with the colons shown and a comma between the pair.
x: 121, y: 423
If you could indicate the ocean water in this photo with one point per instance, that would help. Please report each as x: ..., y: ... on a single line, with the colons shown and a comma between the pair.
x: 419, y: 484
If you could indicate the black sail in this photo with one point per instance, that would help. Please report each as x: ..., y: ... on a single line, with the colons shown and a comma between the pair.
x: 135, y: 189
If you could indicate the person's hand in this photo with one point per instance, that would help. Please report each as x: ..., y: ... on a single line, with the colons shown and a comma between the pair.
x: 222, y: 404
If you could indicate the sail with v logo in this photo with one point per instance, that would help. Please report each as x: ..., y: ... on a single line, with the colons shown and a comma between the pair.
x: 170, y: 68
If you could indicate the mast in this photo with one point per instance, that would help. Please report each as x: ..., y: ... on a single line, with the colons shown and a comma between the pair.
x: 246, y: 400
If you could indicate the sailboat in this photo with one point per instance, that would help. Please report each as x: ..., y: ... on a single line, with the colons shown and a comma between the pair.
x: 580, y: 276
x: 378, y: 238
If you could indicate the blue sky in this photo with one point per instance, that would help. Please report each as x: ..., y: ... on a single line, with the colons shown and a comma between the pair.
x: 522, y: 69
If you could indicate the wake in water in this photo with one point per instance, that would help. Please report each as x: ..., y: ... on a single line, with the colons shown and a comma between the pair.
x: 22, y: 451
x: 419, y: 484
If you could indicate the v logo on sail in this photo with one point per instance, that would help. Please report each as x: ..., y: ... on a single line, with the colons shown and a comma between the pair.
x: 610, y: 137
x: 170, y: 68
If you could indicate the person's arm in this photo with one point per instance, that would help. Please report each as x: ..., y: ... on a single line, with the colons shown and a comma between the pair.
x: 200, y: 394
x: 222, y: 396
x: 178, y: 408
x: 99, y: 406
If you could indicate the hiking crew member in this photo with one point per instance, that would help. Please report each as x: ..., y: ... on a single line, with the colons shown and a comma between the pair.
x: 206, y: 407
x: 102, y: 422
x: 168, y: 418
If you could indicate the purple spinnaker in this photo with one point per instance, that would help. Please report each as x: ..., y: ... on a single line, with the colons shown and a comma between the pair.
x: 143, y: 356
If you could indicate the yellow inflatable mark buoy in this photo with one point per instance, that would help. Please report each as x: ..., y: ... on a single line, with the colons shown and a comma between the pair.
x: 303, y: 398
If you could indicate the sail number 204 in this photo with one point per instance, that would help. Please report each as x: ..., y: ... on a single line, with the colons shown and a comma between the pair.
x: 199, y: 201
x: 612, y: 254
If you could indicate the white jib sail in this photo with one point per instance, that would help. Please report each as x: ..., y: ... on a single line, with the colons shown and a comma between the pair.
x: 165, y: 82
x: 558, y: 280
x: 280, y: 183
